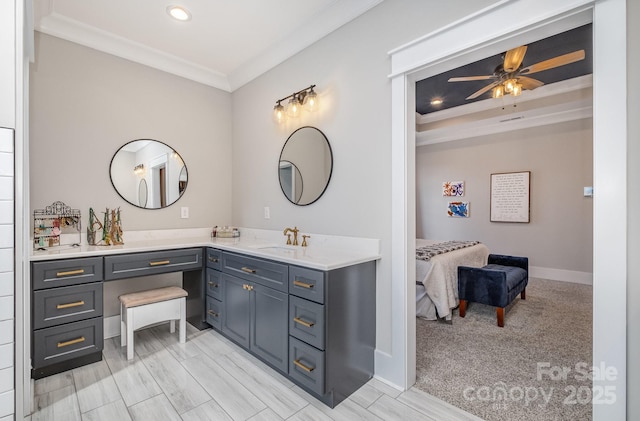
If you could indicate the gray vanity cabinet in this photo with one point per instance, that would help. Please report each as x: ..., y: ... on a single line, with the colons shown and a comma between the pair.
x: 255, y: 307
x: 236, y: 319
x: 213, y: 288
x: 332, y: 324
x: 255, y: 317
x: 268, y: 338
x: 67, y: 327
x: 317, y: 327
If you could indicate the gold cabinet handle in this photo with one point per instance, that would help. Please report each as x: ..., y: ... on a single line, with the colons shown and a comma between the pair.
x: 213, y: 284
x: 302, y: 366
x: 160, y: 262
x: 247, y: 287
x: 70, y: 272
x: 69, y: 305
x: 248, y: 270
x: 71, y: 342
x: 302, y: 284
x: 213, y: 313
x: 302, y: 322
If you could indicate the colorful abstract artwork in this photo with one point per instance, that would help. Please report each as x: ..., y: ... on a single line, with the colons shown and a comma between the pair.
x: 458, y: 209
x: 453, y: 188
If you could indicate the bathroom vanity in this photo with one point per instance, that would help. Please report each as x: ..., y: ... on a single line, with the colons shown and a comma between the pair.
x: 307, y: 312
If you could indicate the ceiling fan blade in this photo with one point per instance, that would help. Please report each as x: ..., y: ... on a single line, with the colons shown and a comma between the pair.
x: 530, y: 83
x: 483, y: 90
x: 513, y: 58
x: 466, y: 78
x: 554, y: 62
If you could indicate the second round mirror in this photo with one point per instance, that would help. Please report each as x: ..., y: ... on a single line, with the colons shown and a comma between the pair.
x: 305, y: 166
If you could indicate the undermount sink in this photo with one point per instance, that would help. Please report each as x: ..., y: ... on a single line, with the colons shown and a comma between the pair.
x: 275, y: 248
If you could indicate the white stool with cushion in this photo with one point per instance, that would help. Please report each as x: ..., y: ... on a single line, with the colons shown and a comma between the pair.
x: 144, y: 308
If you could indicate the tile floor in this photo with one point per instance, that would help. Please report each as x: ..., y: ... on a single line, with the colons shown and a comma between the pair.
x: 209, y: 378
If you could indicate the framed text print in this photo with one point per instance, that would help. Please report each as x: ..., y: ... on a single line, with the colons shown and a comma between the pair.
x: 510, y: 197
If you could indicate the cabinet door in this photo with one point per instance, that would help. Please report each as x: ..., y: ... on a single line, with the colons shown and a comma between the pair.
x: 269, y: 325
x: 236, y: 315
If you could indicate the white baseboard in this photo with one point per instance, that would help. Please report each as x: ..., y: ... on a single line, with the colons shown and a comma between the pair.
x: 111, y: 326
x: 576, y: 277
x: 386, y: 369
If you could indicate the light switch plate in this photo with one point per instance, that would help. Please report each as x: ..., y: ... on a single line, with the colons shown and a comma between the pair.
x: 267, y: 212
x: 184, y: 212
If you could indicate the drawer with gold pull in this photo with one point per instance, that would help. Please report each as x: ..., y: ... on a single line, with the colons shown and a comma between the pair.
x: 65, y: 272
x: 307, y: 321
x: 55, y: 306
x: 306, y: 365
x: 151, y: 263
x: 307, y: 283
x: 214, y: 312
x: 214, y: 259
x: 265, y: 272
x: 213, y: 283
x: 65, y: 342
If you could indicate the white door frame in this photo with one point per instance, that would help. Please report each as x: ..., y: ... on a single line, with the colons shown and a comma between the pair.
x: 504, y: 25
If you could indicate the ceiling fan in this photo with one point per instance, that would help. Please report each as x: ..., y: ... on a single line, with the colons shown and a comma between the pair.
x: 511, y: 78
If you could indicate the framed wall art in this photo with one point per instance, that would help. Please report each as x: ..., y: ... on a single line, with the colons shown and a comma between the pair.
x: 458, y: 209
x: 453, y: 188
x: 510, y: 199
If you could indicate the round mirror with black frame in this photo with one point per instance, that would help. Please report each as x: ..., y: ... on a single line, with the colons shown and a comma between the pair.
x: 148, y: 174
x: 306, y: 161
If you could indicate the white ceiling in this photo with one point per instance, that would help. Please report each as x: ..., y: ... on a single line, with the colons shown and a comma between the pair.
x: 226, y: 44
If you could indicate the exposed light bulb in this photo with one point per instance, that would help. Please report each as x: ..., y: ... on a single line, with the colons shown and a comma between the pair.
x: 517, y: 89
x: 311, y: 101
x: 278, y: 113
x: 498, y: 91
x: 294, y: 106
x: 509, y: 84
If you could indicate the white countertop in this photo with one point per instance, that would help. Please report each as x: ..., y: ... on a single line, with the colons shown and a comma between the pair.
x: 323, y: 253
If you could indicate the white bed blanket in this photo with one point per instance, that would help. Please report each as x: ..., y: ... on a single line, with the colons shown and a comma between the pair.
x: 439, y: 276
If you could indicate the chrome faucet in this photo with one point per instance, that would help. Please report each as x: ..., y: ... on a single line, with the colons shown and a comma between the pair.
x: 294, y: 230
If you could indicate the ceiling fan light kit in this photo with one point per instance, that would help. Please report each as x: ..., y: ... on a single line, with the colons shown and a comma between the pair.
x: 511, y: 78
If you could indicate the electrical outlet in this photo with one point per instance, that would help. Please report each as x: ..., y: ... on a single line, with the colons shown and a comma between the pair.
x: 184, y: 212
x: 267, y: 212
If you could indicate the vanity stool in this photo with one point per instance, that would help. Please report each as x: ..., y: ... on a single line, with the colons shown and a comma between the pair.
x: 143, y: 308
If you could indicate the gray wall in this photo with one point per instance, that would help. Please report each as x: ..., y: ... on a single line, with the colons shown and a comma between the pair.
x: 633, y: 210
x: 560, y: 158
x: 85, y: 104
x: 350, y: 67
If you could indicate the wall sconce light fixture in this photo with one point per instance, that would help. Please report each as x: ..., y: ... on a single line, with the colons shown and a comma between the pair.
x: 304, y: 99
x: 139, y: 169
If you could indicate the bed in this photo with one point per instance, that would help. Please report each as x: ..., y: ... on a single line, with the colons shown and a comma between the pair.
x: 437, y: 278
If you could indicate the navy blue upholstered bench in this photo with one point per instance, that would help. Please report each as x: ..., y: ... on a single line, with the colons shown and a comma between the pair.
x: 497, y: 284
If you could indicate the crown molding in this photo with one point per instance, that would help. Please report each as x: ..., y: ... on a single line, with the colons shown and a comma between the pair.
x: 559, y: 113
x: 328, y: 20
x: 307, y: 33
x: 89, y: 36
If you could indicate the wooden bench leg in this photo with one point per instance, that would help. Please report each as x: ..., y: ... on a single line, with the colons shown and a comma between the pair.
x: 463, y: 308
x: 500, y: 314
x: 523, y: 294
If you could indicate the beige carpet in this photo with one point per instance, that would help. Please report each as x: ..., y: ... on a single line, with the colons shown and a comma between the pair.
x: 515, y: 372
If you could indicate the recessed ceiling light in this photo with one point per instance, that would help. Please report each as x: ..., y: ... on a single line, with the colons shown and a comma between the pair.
x: 179, y: 13
x: 436, y: 101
